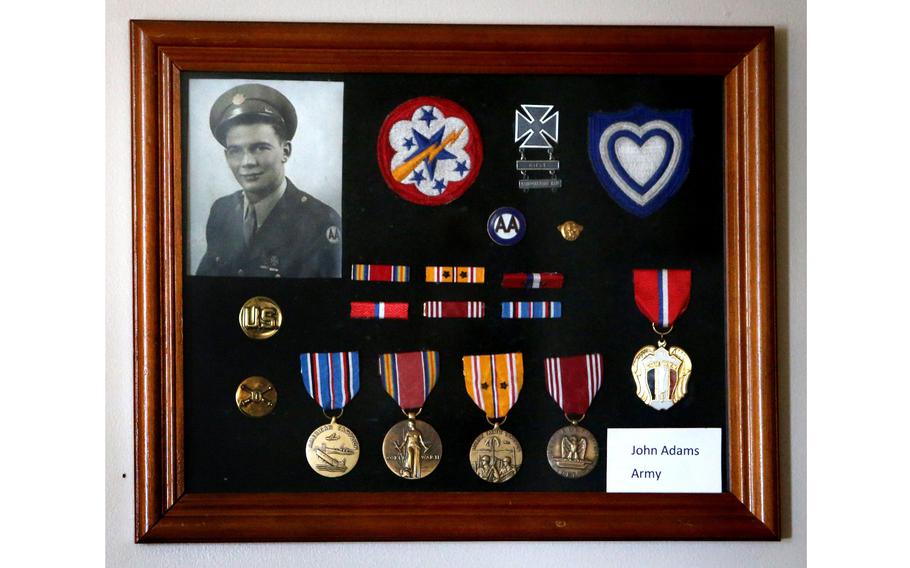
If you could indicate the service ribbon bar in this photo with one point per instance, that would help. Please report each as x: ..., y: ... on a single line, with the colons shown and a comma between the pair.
x: 494, y: 381
x: 456, y: 274
x: 661, y: 295
x: 332, y: 379
x: 379, y: 310
x: 531, y: 310
x: 380, y: 273
x: 409, y: 377
x: 454, y: 309
x: 573, y: 382
x: 532, y: 280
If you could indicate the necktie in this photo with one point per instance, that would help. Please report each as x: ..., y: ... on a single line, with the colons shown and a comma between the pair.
x: 249, y: 223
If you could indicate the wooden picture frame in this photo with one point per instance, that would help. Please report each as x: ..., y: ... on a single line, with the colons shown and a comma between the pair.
x: 165, y: 512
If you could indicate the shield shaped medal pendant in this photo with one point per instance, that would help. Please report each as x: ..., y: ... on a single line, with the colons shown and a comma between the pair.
x: 661, y: 375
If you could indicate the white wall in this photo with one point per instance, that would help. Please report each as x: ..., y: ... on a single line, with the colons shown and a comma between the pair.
x: 789, y: 17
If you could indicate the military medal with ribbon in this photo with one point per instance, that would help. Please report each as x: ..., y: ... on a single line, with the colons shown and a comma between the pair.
x: 412, y: 448
x: 661, y: 374
x: 493, y: 383
x: 332, y: 379
x: 573, y: 382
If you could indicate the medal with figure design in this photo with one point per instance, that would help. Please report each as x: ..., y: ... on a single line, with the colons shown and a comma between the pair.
x: 573, y: 382
x: 493, y: 383
x: 411, y: 448
x: 661, y: 374
x: 332, y: 379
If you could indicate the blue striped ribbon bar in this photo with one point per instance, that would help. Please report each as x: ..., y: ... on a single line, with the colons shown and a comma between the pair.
x: 531, y: 310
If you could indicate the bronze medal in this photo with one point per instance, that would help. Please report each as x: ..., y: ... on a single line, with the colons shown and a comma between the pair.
x: 260, y: 317
x: 256, y: 397
x: 412, y: 449
x: 495, y: 455
x: 572, y: 451
x: 332, y: 450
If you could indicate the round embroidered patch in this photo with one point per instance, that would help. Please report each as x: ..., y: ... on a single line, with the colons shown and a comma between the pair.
x: 506, y: 226
x: 429, y: 150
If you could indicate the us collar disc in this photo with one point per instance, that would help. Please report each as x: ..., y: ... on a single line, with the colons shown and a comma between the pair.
x: 260, y: 317
x: 429, y: 150
x: 495, y: 456
x: 506, y: 226
x: 412, y: 449
x: 573, y: 452
x: 332, y: 450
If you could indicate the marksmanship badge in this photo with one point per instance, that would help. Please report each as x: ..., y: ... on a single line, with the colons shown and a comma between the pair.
x: 537, y: 128
x: 429, y: 150
x: 640, y: 156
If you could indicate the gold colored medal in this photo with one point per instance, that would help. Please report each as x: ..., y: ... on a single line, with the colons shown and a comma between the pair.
x: 260, y: 317
x: 572, y: 383
x: 661, y: 375
x: 496, y: 455
x: 412, y: 448
x: 256, y: 397
x: 332, y: 450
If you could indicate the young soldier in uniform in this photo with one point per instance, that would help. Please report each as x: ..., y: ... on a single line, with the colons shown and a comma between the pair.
x: 268, y: 228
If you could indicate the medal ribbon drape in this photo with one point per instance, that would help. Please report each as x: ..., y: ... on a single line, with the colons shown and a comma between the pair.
x: 573, y: 382
x: 494, y: 381
x: 663, y: 294
x: 409, y: 377
x: 332, y: 379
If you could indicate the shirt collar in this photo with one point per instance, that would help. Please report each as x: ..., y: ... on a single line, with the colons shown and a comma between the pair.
x: 265, y: 205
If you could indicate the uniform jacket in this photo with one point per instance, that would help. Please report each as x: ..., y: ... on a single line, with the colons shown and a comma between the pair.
x: 301, y: 238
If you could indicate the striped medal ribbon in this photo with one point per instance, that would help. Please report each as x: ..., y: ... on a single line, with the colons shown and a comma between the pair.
x: 662, y: 294
x: 573, y: 383
x: 494, y: 381
x: 532, y: 280
x: 379, y: 310
x: 439, y: 309
x: 455, y: 274
x: 332, y: 379
x: 409, y: 377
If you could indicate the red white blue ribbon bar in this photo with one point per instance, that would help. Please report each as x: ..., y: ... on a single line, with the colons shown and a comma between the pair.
x: 379, y: 310
x: 532, y: 280
x: 573, y: 382
x: 332, y: 379
x: 409, y: 377
x: 454, y: 309
x: 663, y: 294
x: 531, y: 310
x: 380, y: 272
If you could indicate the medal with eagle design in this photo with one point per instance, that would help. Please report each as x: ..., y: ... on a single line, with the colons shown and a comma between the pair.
x: 573, y: 382
x: 412, y: 448
x: 332, y: 379
x: 661, y: 374
x: 493, y: 383
x: 429, y: 150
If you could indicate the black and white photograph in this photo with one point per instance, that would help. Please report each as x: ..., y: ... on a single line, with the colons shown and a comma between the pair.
x: 263, y: 191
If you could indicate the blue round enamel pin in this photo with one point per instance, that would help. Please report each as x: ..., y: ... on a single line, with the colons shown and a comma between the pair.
x: 640, y: 156
x: 506, y: 226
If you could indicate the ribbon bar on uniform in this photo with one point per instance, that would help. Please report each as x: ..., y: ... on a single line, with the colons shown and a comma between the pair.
x: 531, y: 310
x: 379, y: 310
x: 532, y: 280
x: 456, y: 274
x: 454, y: 309
x: 380, y: 272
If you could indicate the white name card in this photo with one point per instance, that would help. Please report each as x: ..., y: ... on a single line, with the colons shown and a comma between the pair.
x: 663, y: 460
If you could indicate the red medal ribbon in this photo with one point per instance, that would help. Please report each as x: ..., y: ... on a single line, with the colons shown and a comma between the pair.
x: 409, y: 377
x: 379, y: 310
x: 573, y: 382
x: 454, y: 309
x: 663, y: 294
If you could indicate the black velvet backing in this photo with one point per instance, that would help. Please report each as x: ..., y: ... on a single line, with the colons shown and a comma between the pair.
x: 227, y: 451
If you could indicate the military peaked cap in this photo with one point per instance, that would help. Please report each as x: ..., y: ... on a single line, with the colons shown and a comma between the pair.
x: 252, y: 103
